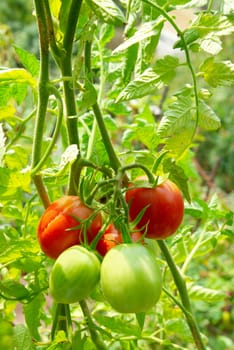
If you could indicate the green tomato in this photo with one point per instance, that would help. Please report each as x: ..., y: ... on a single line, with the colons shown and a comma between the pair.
x: 130, y: 278
x: 74, y: 275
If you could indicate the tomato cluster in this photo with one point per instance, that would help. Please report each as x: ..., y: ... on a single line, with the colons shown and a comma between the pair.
x: 129, y: 274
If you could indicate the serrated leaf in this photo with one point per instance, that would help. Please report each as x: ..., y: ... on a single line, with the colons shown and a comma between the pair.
x: 107, y: 11
x: 143, y: 85
x: 206, y: 25
x: 177, y: 126
x: 208, y: 120
x: 28, y: 60
x: 217, y: 73
x: 13, y: 182
x: 177, y: 117
x: 151, y: 79
x: 147, y: 30
x: 17, y: 75
x: 206, y: 294
x: 17, y: 249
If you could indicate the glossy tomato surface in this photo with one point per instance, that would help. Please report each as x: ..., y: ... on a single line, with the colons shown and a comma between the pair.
x: 130, y: 278
x: 60, y: 228
x: 74, y: 275
x: 110, y: 238
x: 164, y: 209
x: 113, y: 237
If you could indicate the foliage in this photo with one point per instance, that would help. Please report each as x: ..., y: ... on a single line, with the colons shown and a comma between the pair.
x: 88, y: 118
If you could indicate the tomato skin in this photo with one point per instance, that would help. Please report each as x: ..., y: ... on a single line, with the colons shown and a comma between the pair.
x: 130, y: 278
x: 55, y: 230
x: 164, y: 212
x: 74, y: 275
x: 110, y: 238
x: 113, y: 237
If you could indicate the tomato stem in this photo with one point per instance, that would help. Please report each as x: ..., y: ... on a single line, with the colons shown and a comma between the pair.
x: 181, y: 286
x: 96, y: 338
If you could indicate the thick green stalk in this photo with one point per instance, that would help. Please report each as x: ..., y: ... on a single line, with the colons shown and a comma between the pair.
x: 182, y: 289
x: 69, y: 92
x: 96, y: 338
x: 43, y: 97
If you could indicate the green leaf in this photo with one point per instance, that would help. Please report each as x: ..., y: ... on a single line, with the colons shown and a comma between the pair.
x: 208, y: 120
x: 178, y: 326
x: 206, y: 294
x: 32, y: 312
x: 117, y: 325
x: 14, y: 83
x: 151, y: 79
x: 13, y: 182
x: 207, y: 26
x: 146, y: 30
x: 28, y: 60
x: 141, y: 319
x: 18, y: 249
x: 178, y: 176
x: 107, y: 11
x: 217, y: 73
x: 17, y: 75
x: 22, y: 338
x: 2, y: 144
x: 176, y: 117
x: 143, y: 85
x: 13, y: 289
x: 88, y: 97
x: 178, y: 125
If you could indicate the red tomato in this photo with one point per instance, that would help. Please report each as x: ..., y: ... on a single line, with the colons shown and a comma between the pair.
x: 59, y: 227
x: 164, y: 209
x: 110, y: 238
x: 113, y: 237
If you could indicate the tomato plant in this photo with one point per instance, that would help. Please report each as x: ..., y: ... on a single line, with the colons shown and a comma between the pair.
x: 130, y: 278
x: 74, y: 275
x: 62, y: 226
x: 163, y: 208
x: 103, y: 103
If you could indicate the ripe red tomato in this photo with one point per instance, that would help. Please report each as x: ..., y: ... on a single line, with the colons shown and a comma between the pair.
x: 110, y: 238
x: 59, y: 226
x: 113, y: 237
x: 74, y: 275
x: 164, y: 209
x: 130, y: 278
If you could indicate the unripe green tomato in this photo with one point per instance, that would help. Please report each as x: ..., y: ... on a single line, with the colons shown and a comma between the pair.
x: 74, y: 275
x: 130, y: 278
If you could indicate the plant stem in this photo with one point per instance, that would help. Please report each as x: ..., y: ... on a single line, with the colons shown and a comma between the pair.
x: 114, y: 161
x: 100, y: 345
x: 43, y: 98
x: 181, y: 286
